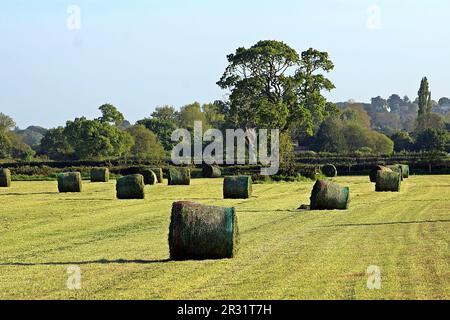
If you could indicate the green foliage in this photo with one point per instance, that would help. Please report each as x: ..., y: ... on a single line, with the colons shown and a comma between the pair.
x: 347, y: 136
x: 11, y: 144
x: 111, y: 115
x: 146, y: 145
x: 189, y: 114
x: 163, y: 128
x: 55, y: 144
x: 402, y: 141
x: 94, y: 139
x: 272, y: 86
x: 6, y: 122
x: 432, y: 140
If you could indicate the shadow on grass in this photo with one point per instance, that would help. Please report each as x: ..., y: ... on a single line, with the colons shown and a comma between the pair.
x: 102, y: 261
x: 385, y: 223
x: 28, y: 194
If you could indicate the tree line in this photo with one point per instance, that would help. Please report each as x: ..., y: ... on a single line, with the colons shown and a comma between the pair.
x: 270, y: 86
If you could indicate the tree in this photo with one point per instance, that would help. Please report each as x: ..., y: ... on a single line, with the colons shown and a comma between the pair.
x: 356, y: 113
x: 258, y: 79
x: 395, y: 102
x: 162, y: 128
x: 95, y: 139
x: 402, y: 141
x: 310, y: 82
x: 55, y: 145
x: 214, y: 115
x: 6, y: 122
x: 146, y: 145
x: 330, y: 137
x: 432, y: 140
x: 425, y: 105
x: 444, y: 101
x: 189, y: 114
x: 165, y: 113
x: 111, y: 115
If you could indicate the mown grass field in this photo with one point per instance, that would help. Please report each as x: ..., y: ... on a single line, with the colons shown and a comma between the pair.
x: 122, y: 250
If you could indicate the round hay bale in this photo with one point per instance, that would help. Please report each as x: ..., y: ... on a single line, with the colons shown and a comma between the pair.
x: 388, y: 181
x: 130, y: 187
x: 179, y: 176
x: 327, y: 195
x: 239, y: 187
x: 159, y: 174
x: 210, y: 171
x: 202, y: 232
x: 99, y: 175
x: 5, y: 178
x: 329, y: 171
x: 374, y: 171
x: 405, y: 170
x: 149, y: 177
x: 397, y: 168
x: 69, y: 182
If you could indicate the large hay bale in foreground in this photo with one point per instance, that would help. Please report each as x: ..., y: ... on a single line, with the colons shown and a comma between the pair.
x: 210, y: 171
x: 202, y: 232
x: 397, y: 168
x: 99, y: 175
x: 130, y: 187
x: 239, y: 187
x: 179, y: 176
x: 159, y: 174
x: 388, y: 181
x: 327, y: 195
x: 329, y: 171
x: 374, y: 171
x: 149, y: 177
x: 5, y: 178
x: 405, y: 170
x: 69, y: 182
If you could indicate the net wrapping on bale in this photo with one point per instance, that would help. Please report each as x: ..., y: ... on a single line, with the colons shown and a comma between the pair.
x: 374, y: 171
x: 239, y: 187
x: 397, y: 168
x: 405, y: 171
x: 159, y: 174
x: 130, y: 187
x: 327, y: 195
x: 329, y: 171
x: 5, y: 178
x: 202, y: 232
x: 210, y: 171
x: 99, y: 175
x: 388, y: 181
x: 69, y: 182
x: 179, y: 176
x: 150, y: 177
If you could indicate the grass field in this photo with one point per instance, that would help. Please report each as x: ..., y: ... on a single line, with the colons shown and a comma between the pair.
x: 122, y: 250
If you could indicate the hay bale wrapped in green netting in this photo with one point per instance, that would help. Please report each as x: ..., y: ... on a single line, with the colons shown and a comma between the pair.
x: 69, y: 182
x: 130, y: 187
x: 329, y: 171
x: 397, y: 168
x: 179, y: 176
x: 159, y: 174
x: 5, y: 178
x: 210, y: 171
x: 374, y: 171
x: 149, y: 177
x: 239, y: 187
x: 327, y: 195
x: 99, y: 175
x: 405, y: 170
x: 202, y: 232
x: 388, y: 181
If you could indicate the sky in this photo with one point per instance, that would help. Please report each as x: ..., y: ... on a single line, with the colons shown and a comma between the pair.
x: 63, y: 59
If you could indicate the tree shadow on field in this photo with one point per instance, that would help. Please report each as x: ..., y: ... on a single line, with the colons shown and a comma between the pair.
x: 28, y: 193
x: 101, y: 261
x: 384, y: 223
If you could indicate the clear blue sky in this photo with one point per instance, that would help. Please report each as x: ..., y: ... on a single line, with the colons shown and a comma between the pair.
x: 138, y: 54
